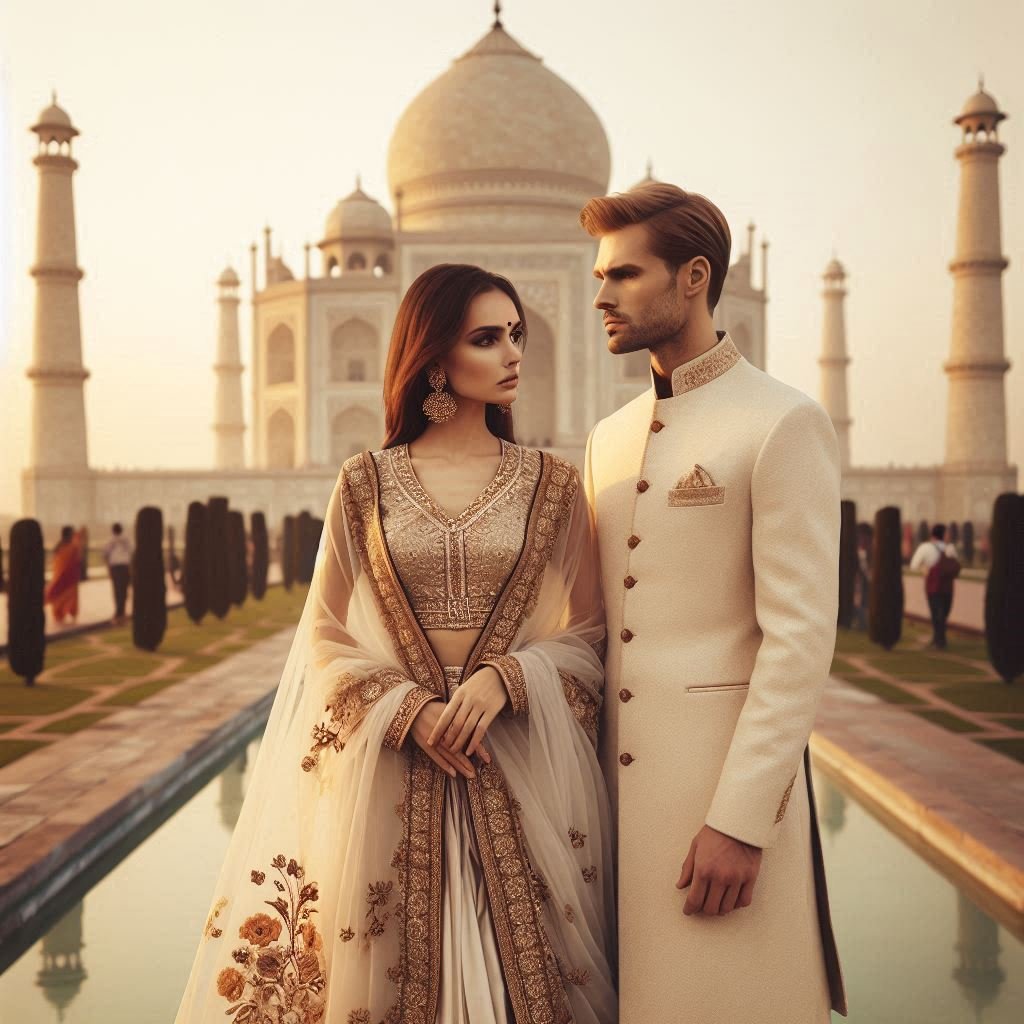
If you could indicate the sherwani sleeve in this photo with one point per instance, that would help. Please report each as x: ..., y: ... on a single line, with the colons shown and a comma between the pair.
x: 795, y: 548
x: 351, y: 672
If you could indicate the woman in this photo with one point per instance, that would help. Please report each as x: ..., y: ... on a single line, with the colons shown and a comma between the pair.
x: 427, y: 792
x: 66, y: 572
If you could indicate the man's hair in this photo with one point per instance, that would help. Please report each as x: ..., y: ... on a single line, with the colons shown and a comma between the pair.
x: 680, y: 225
x: 116, y: 527
x: 939, y: 531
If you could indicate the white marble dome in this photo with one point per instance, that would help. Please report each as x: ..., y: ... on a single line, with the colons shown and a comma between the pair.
x: 358, y: 216
x: 498, y: 135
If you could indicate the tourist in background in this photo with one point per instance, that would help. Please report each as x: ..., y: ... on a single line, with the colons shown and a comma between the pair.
x: 117, y: 553
x: 62, y: 591
x: 938, y: 561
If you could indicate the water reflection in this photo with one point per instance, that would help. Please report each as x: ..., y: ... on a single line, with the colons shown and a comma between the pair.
x: 978, y: 971
x: 915, y: 950
x: 62, y: 973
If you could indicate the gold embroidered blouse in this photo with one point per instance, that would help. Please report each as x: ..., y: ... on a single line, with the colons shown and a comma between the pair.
x: 454, y: 569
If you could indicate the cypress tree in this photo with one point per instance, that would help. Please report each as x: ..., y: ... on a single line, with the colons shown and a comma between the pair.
x: 953, y: 534
x: 3, y: 585
x: 260, y: 555
x: 149, y: 587
x: 174, y: 562
x: 303, y: 562
x: 923, y: 532
x: 288, y: 552
x: 84, y: 568
x: 968, y: 539
x: 885, y: 609
x: 847, y: 562
x: 1004, y: 591
x: 195, y: 574
x: 218, y: 556
x: 239, y: 570
x: 26, y: 617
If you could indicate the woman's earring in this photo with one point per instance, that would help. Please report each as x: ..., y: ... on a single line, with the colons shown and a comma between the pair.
x: 506, y: 409
x: 438, y: 406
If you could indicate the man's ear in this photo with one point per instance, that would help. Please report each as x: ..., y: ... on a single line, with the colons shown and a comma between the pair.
x: 696, y: 275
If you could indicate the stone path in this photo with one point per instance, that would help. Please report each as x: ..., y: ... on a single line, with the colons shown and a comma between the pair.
x: 63, y: 807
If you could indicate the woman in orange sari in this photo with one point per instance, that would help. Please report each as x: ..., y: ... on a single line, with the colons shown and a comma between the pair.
x: 62, y: 592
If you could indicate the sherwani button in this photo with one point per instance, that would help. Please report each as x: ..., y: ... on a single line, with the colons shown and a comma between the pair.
x: 633, y: 541
x: 626, y: 759
x: 657, y: 426
x: 625, y: 695
x: 642, y: 485
x: 626, y: 635
x: 629, y: 583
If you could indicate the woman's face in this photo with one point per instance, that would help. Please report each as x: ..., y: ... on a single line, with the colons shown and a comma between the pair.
x: 483, y: 364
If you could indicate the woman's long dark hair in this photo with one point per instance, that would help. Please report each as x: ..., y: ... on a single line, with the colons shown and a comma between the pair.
x: 426, y: 327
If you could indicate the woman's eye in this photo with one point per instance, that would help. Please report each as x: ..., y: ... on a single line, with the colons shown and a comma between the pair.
x: 486, y: 341
x: 517, y: 337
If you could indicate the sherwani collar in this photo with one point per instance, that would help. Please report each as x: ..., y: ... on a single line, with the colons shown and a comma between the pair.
x: 705, y: 368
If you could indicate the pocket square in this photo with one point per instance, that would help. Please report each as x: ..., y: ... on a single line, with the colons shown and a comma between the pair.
x: 696, y: 488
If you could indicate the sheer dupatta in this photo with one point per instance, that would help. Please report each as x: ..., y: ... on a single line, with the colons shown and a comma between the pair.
x: 328, y: 905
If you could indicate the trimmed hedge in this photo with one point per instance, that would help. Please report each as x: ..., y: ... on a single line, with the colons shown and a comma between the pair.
x: 288, y: 552
x: 847, y: 562
x: 218, y: 556
x: 885, y: 608
x: 149, y: 587
x: 26, y: 616
x: 1004, y: 591
x: 196, y: 571
x: 239, y: 568
x: 260, y: 555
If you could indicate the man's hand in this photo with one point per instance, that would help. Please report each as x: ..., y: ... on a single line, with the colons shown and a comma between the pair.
x: 468, y: 715
x: 721, y: 872
x: 441, y: 754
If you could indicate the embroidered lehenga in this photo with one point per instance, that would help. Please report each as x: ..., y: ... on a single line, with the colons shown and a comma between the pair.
x: 362, y: 884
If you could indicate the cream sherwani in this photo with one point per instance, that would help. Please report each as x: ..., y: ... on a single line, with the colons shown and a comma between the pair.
x: 718, y: 522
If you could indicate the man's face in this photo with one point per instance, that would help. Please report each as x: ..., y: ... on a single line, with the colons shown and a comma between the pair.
x: 641, y: 298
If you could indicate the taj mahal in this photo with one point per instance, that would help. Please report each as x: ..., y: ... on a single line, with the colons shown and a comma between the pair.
x: 489, y: 164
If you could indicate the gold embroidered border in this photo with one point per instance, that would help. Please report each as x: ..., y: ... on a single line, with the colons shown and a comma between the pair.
x: 553, y: 501
x: 360, y: 497
x: 583, y: 703
x: 418, y: 860
x: 511, y: 673
x: 405, y: 715
x: 682, y: 496
x: 531, y: 974
x: 719, y: 359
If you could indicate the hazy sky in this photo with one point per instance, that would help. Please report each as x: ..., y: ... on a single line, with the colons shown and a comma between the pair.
x: 828, y: 124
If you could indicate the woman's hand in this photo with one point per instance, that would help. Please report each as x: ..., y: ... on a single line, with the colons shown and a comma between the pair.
x: 468, y: 715
x: 441, y: 754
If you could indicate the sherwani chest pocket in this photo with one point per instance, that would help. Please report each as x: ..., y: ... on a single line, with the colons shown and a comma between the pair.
x: 696, y: 488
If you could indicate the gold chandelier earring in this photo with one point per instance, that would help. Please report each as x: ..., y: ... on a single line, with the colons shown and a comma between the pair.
x: 438, y: 406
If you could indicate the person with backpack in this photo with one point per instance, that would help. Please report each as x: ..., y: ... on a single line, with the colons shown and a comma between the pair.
x: 938, y: 560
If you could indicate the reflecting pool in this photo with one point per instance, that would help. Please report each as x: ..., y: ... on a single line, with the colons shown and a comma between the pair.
x: 915, y: 948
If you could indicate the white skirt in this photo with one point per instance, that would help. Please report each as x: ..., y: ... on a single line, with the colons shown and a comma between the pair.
x: 473, y: 987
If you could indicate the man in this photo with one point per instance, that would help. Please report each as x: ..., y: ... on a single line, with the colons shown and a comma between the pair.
x: 716, y: 494
x: 938, y: 561
x: 117, y: 553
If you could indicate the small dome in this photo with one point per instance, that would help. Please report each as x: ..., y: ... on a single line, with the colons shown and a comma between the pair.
x: 55, y: 117
x: 277, y: 271
x: 358, y: 216
x: 834, y: 269
x: 228, y: 278
x: 981, y: 105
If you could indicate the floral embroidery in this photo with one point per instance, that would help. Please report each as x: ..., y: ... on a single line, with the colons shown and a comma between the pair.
x: 346, y: 935
x: 347, y: 703
x: 211, y: 929
x: 577, y: 838
x: 378, y: 897
x: 583, y: 702
x: 696, y: 488
x: 577, y: 976
x: 359, y: 1017
x: 780, y: 813
x: 280, y: 981
x: 590, y: 874
x: 724, y: 356
x: 405, y: 715
x: 570, y: 914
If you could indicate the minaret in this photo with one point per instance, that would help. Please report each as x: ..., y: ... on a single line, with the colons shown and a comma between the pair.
x: 57, y: 374
x: 834, y: 360
x: 228, y: 423
x: 976, y: 469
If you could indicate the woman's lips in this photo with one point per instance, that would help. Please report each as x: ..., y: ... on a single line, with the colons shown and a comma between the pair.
x: 511, y: 383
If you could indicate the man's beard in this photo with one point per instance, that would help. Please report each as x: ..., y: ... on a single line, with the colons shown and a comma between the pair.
x: 662, y: 321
